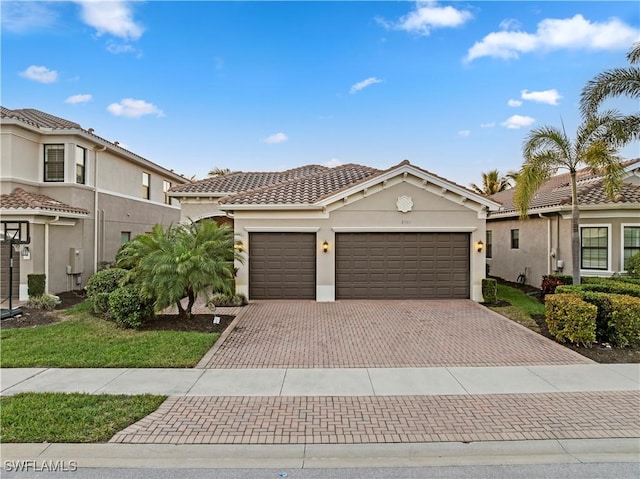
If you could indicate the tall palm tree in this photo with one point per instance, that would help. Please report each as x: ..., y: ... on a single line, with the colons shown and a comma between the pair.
x: 614, y: 83
x: 492, y: 182
x: 217, y: 171
x: 547, y: 149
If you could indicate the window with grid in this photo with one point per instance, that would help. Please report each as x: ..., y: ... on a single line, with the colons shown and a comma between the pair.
x: 515, y: 239
x: 594, y: 247
x: 146, y: 186
x: 81, y: 158
x: 489, y: 244
x: 125, y: 237
x: 631, y: 236
x: 166, y: 185
x: 53, y: 162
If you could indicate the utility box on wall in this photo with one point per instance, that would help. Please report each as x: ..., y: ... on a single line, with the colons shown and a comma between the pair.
x: 76, y: 261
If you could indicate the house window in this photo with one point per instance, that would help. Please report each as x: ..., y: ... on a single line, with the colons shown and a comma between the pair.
x: 81, y: 158
x: 146, y: 186
x: 125, y: 237
x: 53, y: 162
x: 166, y: 185
x: 515, y: 239
x: 489, y: 244
x: 594, y: 247
x: 631, y: 246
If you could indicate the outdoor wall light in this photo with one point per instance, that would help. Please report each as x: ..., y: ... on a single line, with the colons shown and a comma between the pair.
x: 479, y: 246
x: 239, y: 246
x: 26, y: 253
x: 325, y: 247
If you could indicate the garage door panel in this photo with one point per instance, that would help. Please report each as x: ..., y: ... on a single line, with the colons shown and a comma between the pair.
x: 402, y: 265
x: 282, y: 265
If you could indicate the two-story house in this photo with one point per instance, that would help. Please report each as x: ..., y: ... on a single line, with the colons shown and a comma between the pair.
x: 82, y: 195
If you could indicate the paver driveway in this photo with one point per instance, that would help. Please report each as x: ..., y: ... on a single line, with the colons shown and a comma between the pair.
x: 365, y: 333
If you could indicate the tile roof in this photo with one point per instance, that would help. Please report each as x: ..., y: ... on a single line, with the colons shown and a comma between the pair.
x: 306, y: 190
x: 240, y: 181
x: 556, y: 191
x: 39, y: 119
x: 21, y: 199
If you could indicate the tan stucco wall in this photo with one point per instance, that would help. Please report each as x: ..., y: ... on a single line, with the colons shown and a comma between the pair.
x: 199, y: 208
x: 377, y: 211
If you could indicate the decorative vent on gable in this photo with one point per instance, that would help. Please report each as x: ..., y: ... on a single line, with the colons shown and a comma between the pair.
x: 404, y: 204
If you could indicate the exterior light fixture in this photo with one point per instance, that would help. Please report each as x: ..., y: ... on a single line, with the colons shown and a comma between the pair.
x: 239, y: 246
x: 325, y: 247
x: 26, y: 253
x: 479, y: 246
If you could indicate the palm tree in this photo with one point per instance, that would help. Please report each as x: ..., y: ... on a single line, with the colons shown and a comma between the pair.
x: 492, y: 183
x: 614, y: 83
x: 547, y: 149
x: 219, y: 172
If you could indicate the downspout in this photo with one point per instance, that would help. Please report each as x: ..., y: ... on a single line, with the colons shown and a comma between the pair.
x: 95, y: 206
x: 549, y: 258
x: 46, y: 252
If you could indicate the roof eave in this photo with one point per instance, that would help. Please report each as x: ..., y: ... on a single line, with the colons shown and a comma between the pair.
x: 270, y: 207
x: 40, y: 212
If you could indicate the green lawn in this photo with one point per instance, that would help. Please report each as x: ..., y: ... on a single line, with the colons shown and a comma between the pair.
x: 70, y: 418
x: 84, y: 341
x: 522, y: 306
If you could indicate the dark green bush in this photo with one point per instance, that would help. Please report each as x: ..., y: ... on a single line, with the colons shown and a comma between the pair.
x: 128, y: 308
x: 490, y: 290
x: 222, y: 300
x: 602, y: 301
x: 625, y: 320
x: 604, y: 285
x: 569, y: 318
x: 36, y: 284
x: 633, y: 266
x: 101, y: 285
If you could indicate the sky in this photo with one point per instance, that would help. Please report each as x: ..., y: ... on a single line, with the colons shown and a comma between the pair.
x: 453, y: 87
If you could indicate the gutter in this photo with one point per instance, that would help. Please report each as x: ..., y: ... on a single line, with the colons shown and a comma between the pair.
x: 46, y: 251
x: 96, y: 149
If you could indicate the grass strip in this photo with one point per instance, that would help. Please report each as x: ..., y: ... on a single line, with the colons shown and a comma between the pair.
x: 84, y: 341
x: 522, y: 308
x: 70, y: 418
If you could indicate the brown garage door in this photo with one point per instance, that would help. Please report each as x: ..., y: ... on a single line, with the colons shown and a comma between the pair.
x: 282, y: 265
x: 402, y: 265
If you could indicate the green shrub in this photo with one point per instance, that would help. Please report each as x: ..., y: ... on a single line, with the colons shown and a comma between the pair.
x: 128, y: 308
x: 633, y: 266
x: 552, y: 281
x: 101, y: 285
x: 570, y: 318
x: 36, y: 284
x: 604, y: 285
x: 490, y: 290
x: 602, y: 301
x: 222, y: 300
x: 44, y: 301
x: 625, y: 320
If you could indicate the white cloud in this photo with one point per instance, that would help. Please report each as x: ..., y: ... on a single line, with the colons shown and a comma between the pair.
x: 428, y: 16
x: 111, y: 17
x: 515, y: 122
x: 510, y: 24
x: 488, y: 125
x: 332, y: 163
x: 364, y: 84
x: 40, y: 74
x: 550, y: 97
x: 464, y: 133
x: 514, y: 103
x: 21, y: 17
x: 131, y: 108
x: 554, y: 34
x: 75, y: 99
x: 276, y: 138
x: 118, y: 48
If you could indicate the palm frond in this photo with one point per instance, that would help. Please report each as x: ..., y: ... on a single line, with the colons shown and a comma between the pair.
x: 608, y: 84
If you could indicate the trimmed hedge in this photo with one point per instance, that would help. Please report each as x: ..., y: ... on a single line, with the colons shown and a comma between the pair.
x: 36, y: 284
x: 128, y: 308
x: 101, y: 285
x: 552, y: 281
x: 625, y: 320
x: 603, y: 285
x: 490, y: 290
x: 569, y: 318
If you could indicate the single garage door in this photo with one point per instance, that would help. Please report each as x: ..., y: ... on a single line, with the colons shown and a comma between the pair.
x: 282, y: 265
x: 402, y: 265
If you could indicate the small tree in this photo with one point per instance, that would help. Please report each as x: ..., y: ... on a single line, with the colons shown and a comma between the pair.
x: 492, y: 183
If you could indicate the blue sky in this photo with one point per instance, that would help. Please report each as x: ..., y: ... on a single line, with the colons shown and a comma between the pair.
x: 454, y: 87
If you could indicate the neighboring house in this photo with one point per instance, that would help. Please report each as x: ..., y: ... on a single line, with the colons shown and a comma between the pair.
x: 82, y: 195
x: 348, y: 232
x: 541, y: 244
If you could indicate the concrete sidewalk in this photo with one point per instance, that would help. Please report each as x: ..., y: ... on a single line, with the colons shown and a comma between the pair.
x: 450, y: 381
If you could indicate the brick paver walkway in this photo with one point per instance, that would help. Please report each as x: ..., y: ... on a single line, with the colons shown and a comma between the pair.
x: 386, y: 334
x: 389, y: 419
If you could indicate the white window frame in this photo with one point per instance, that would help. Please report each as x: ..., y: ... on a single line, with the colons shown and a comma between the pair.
x: 622, y: 226
x: 83, y: 163
x: 597, y: 272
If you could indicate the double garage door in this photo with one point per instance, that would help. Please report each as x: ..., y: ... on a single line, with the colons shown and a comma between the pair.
x: 368, y: 265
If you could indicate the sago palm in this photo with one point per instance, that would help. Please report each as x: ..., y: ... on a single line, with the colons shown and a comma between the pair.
x: 548, y: 149
x: 492, y: 182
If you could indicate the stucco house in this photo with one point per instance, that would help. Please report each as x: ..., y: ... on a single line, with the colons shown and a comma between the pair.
x: 82, y: 195
x: 541, y: 244
x: 347, y: 232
